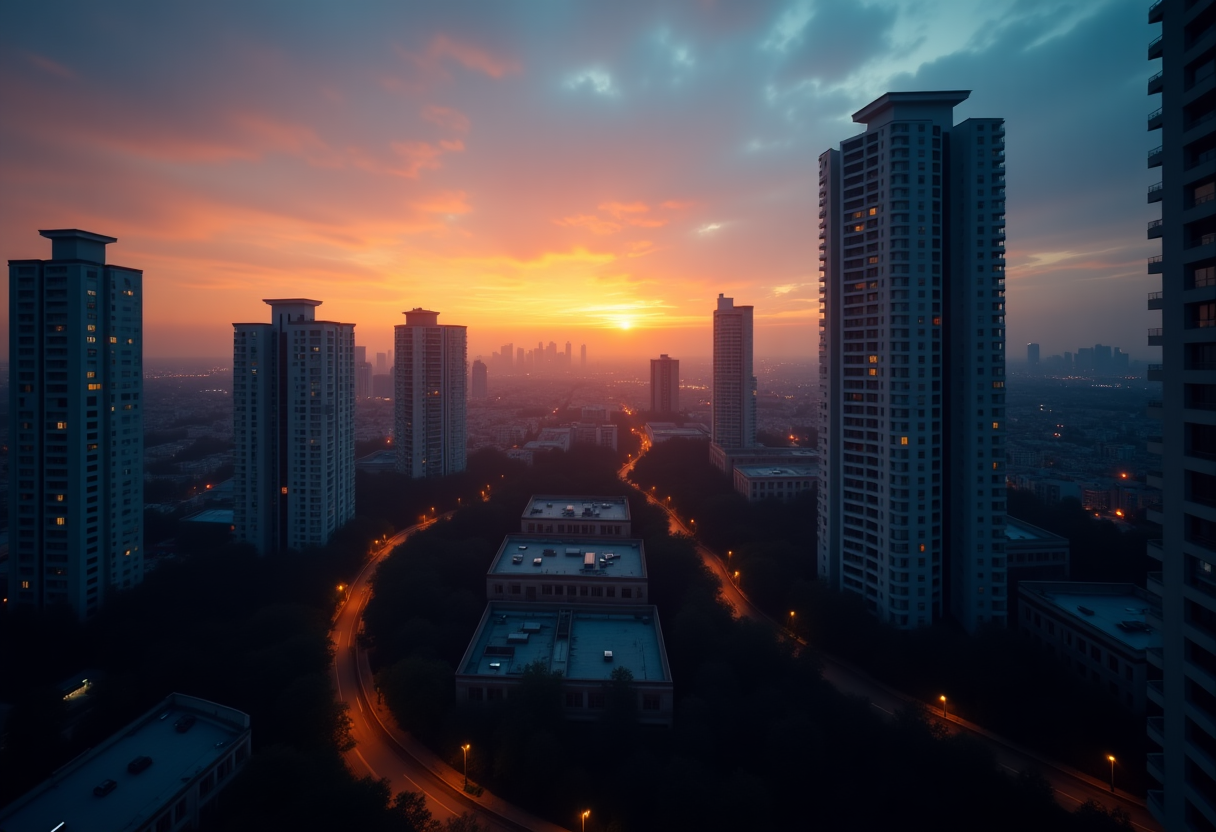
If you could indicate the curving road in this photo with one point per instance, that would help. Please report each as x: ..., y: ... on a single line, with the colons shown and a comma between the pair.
x: 385, y: 751
x: 1071, y: 787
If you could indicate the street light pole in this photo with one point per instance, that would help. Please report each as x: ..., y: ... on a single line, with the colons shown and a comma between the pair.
x: 944, y: 712
x: 1111, y: 758
x: 584, y: 816
x: 465, y: 748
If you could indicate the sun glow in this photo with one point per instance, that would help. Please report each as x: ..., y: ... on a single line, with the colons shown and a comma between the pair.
x: 625, y: 323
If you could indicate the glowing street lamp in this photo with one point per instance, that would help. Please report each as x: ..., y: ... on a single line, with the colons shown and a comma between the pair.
x: 944, y: 712
x: 465, y: 748
x: 791, y: 621
x: 736, y: 578
x: 584, y: 816
x: 1111, y: 758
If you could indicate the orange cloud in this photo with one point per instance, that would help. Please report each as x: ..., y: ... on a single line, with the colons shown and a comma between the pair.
x: 446, y: 117
x: 592, y: 223
x: 471, y: 57
x: 621, y: 209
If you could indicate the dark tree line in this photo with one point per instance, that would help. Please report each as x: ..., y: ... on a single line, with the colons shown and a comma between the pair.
x: 760, y: 741
x: 999, y: 678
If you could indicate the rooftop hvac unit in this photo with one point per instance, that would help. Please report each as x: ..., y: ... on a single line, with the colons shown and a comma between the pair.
x: 531, y: 627
x: 495, y: 665
x: 589, y: 560
x: 537, y: 561
x: 517, y: 638
x: 607, y: 655
x: 517, y: 559
x: 1085, y: 610
x: 573, y: 551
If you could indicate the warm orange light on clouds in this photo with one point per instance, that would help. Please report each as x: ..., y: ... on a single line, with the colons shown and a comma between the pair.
x: 597, y: 176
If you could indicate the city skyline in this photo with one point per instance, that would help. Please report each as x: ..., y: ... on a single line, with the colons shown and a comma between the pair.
x: 366, y: 162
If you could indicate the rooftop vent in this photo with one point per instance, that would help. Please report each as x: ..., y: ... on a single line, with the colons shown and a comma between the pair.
x: 607, y: 655
x: 1085, y: 610
x: 1134, y: 626
x: 537, y: 561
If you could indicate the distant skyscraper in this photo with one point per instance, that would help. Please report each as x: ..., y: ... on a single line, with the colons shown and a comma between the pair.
x: 381, y: 363
x: 911, y: 433
x: 76, y: 425
x: 477, y: 384
x: 506, y: 359
x: 664, y: 384
x: 520, y: 354
x: 567, y: 359
x: 430, y: 396
x: 293, y: 403
x: 734, y: 393
x: 1182, y: 686
x: 1032, y: 355
x: 582, y: 356
x: 363, y: 374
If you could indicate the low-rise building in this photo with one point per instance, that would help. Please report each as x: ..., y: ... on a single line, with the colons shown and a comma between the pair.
x: 568, y: 570
x: 584, y: 643
x: 659, y: 432
x: 726, y: 459
x: 155, y: 775
x: 1033, y: 554
x: 595, y: 516
x: 765, y: 482
x: 1101, y: 631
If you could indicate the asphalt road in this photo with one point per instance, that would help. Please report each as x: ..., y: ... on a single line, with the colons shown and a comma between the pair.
x: 385, y: 751
x: 1071, y: 788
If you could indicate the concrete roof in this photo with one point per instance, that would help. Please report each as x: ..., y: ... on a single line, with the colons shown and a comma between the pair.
x: 777, y: 471
x: 219, y: 516
x: 176, y: 758
x: 1020, y: 530
x: 631, y: 633
x: 567, y: 557
x: 1109, y: 606
x: 605, y: 509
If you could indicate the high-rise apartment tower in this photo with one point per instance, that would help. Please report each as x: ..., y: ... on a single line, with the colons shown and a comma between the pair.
x: 734, y: 393
x: 912, y: 363
x: 429, y: 403
x: 664, y: 384
x: 76, y: 425
x: 1032, y: 355
x: 1182, y: 678
x: 293, y: 413
x: 477, y: 380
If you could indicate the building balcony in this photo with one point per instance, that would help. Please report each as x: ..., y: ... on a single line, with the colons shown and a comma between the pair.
x: 1154, y: 409
x: 1155, y: 264
x: 1154, y: 157
x: 1154, y: 229
x: 1155, y: 656
x: 1155, y: 337
x: 1153, y: 515
x: 1156, y: 83
x: 1154, y: 445
x: 1156, y: 729
x: 1156, y: 798
x: 1156, y: 372
x: 1154, y: 192
x: 1155, y: 119
x: 1154, y: 300
x: 1155, y: 12
x: 1154, y: 48
x: 1153, y: 479
x: 1153, y: 583
x: 1156, y: 693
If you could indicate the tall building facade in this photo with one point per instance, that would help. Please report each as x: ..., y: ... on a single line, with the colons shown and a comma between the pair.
x: 76, y: 424
x: 734, y: 394
x: 1182, y: 677
x: 477, y: 380
x: 429, y: 405
x: 912, y: 363
x: 1032, y: 355
x: 664, y: 384
x: 293, y: 413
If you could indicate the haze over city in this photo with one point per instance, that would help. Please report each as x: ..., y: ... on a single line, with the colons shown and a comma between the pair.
x: 550, y: 171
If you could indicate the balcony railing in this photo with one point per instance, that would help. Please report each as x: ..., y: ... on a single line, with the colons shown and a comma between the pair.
x: 1155, y: 151
x: 1200, y: 119
x: 1155, y: 12
x: 1200, y: 199
x: 1154, y: 48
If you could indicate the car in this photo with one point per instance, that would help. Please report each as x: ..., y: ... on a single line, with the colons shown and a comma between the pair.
x: 139, y: 764
x: 104, y: 788
x: 184, y: 724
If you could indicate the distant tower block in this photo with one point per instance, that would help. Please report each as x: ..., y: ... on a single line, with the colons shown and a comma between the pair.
x: 664, y: 384
x: 429, y: 401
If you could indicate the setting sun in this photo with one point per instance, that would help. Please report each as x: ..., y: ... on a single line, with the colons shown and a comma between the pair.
x: 625, y: 323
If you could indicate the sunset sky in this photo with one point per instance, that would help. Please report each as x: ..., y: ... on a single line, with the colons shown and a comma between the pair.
x: 594, y: 172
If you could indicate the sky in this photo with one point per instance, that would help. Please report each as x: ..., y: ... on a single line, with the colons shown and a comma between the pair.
x: 555, y: 171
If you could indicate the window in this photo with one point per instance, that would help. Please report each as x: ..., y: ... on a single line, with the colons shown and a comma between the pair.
x: 574, y: 699
x: 595, y: 700
x: 476, y: 694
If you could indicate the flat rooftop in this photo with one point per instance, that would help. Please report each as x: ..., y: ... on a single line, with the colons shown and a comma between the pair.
x: 782, y: 471
x: 1117, y: 610
x: 514, y: 637
x: 1016, y: 529
x: 67, y: 797
x: 565, y: 557
x: 220, y: 516
x: 606, y: 509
